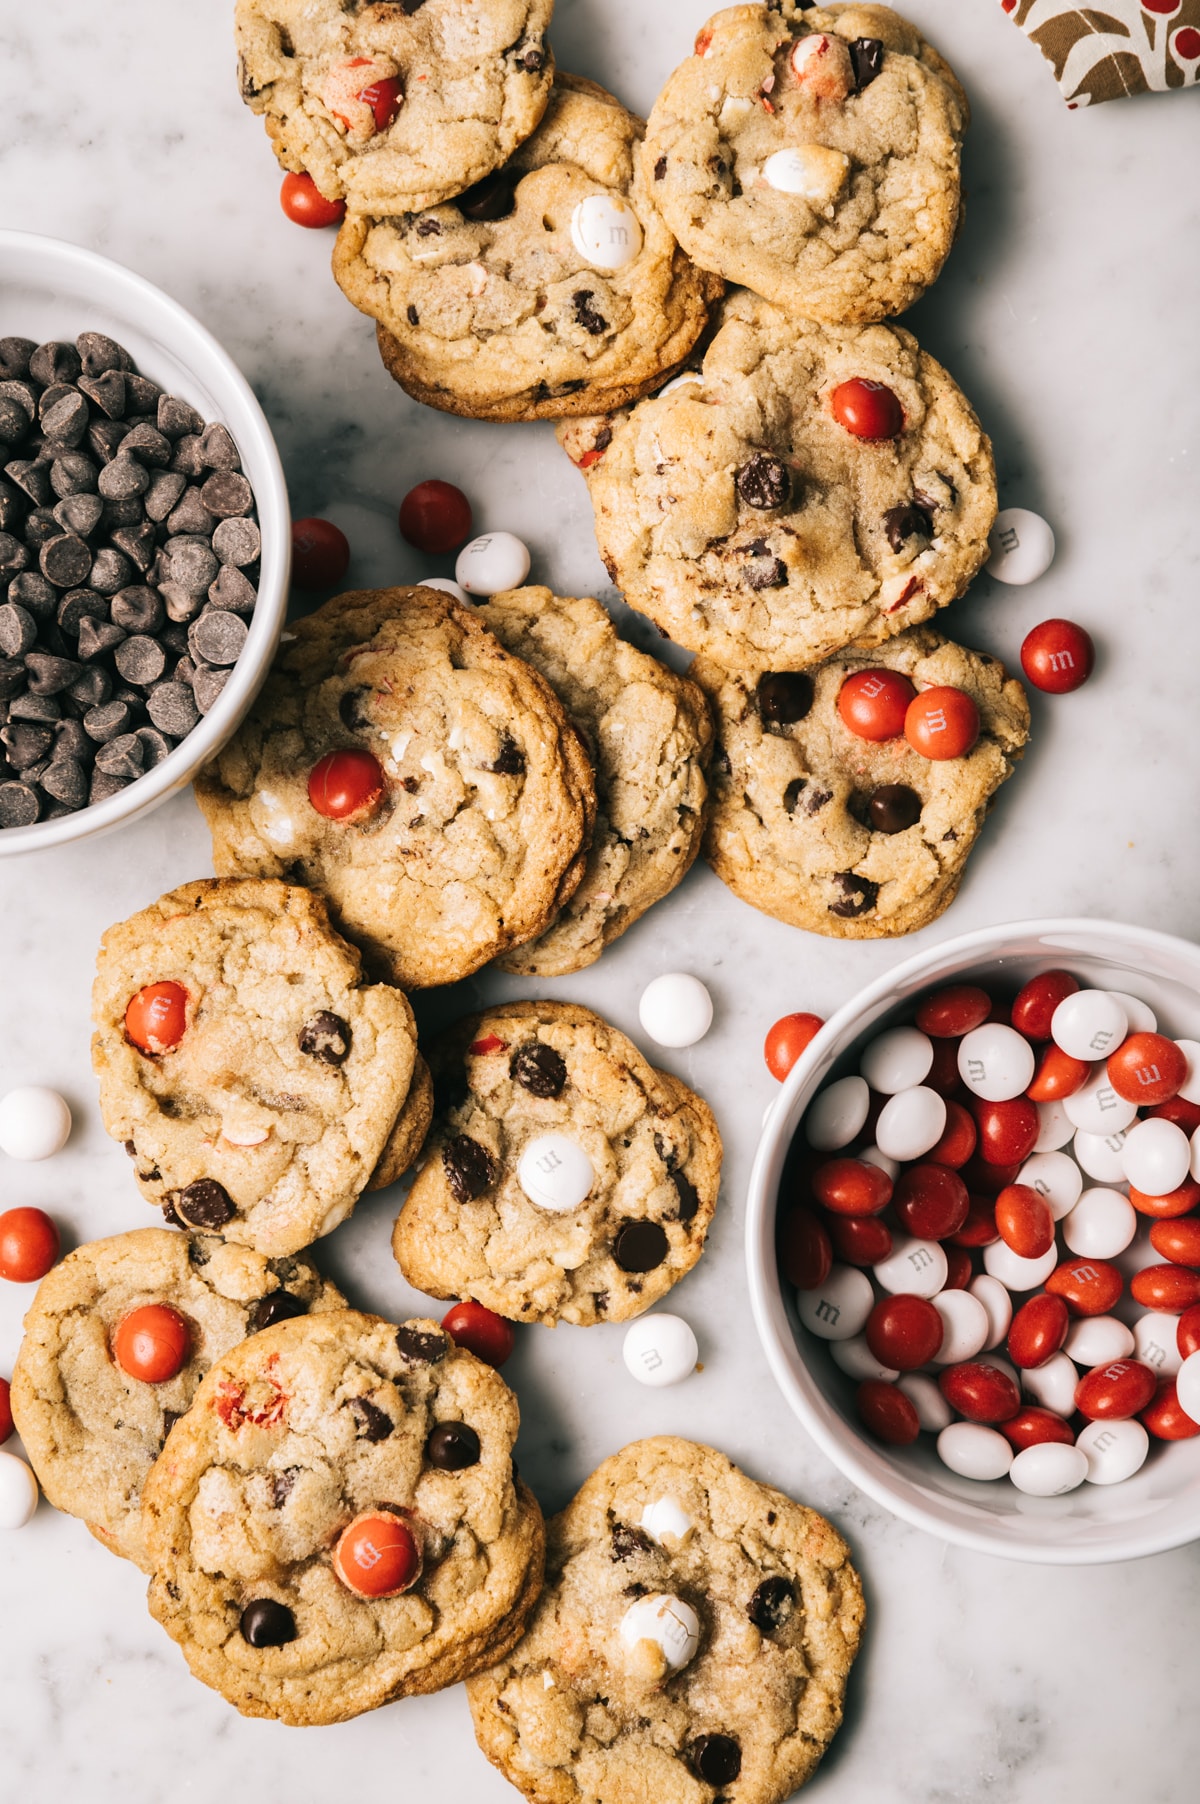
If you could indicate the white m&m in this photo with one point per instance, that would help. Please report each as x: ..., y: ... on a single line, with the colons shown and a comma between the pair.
x: 1101, y: 1225
x: 974, y: 1451
x: 660, y: 1349
x: 995, y: 1062
x: 1089, y: 1025
x: 1094, y: 1340
x: 1014, y: 1272
x: 492, y: 562
x: 35, y: 1123
x: 916, y: 1267
x: 837, y: 1115
x: 606, y: 231
x: 1156, y: 1157
x: 18, y: 1491
x: 555, y: 1173
x: 1097, y: 1109
x: 1048, y: 1469
x: 897, y: 1060
x: 911, y: 1123
x: 1102, y: 1156
x: 444, y: 585
x: 813, y: 172
x: 665, y: 1519
x: 1054, y: 1176
x: 1187, y: 1386
x: 1114, y: 1450
x: 670, y: 1624
x: 965, y: 1326
x: 676, y: 1009
x: 1021, y: 545
x: 1156, y: 1342
x: 1053, y: 1384
x: 838, y: 1308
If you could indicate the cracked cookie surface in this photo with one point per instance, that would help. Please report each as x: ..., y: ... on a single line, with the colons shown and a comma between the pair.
x: 290, y: 1437
x: 750, y: 525
x: 512, y: 1075
x: 579, y: 1713
x: 291, y: 1080
x: 92, y: 1432
x: 471, y: 83
x: 649, y: 734
x: 790, y: 830
x: 480, y: 830
x: 812, y: 154
x: 488, y: 306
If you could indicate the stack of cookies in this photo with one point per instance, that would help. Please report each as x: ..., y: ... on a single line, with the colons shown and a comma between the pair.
x: 816, y: 488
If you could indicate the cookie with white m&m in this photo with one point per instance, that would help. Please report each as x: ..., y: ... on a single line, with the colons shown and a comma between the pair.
x: 692, y: 1644
x: 565, y: 1179
x: 812, y: 154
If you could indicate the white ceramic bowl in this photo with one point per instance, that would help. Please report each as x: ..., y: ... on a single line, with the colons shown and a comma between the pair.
x: 1157, y: 1509
x: 53, y: 290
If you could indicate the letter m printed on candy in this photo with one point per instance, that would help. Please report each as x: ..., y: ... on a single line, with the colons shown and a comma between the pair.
x: 828, y: 1312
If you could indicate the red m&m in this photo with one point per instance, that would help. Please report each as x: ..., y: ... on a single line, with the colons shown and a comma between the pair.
x: 156, y: 1017
x: 867, y: 409
x: 1058, y: 656
x: 345, y: 784
x: 377, y: 1555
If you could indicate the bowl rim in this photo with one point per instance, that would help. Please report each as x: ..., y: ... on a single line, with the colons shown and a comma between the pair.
x: 766, y: 1290
x: 190, y: 341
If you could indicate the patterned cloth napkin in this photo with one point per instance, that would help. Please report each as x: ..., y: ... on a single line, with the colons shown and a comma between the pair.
x: 1115, y: 48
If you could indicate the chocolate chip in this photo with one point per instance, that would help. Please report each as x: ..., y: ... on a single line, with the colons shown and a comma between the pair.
x: 421, y: 1347
x: 105, y: 438
x: 187, y: 458
x: 470, y: 1168
x: 227, y: 493
x: 14, y: 356
x: 492, y: 198
x: 110, y: 571
x: 266, y: 1623
x: 33, y: 479
x: 123, y: 478
x: 163, y: 493
x: 538, y: 1069
x: 170, y: 1417
x: 181, y: 604
x: 172, y: 708
x: 204, y: 1204
x: 689, y: 1196
x: 14, y: 421
x: 374, y: 1424
x: 140, y: 660
x: 191, y: 564
x: 174, y: 418
x: 191, y: 515
x: 18, y: 630
x: 66, y: 780
x: 893, y: 808
x: 138, y: 545
x: 79, y: 514
x: 858, y: 895
x: 912, y: 522
x: 509, y: 760
x: 44, y: 708
x: 136, y: 610
x: 14, y: 557
x: 99, y: 353
x: 47, y: 674
x: 232, y: 590
x: 107, y: 721
x: 866, y: 58
x: 30, y: 590
x: 783, y: 696
x: 121, y: 757
x: 660, y: 169
x: 70, y: 741
x: 325, y: 1036
x: 102, y: 787
x: 92, y: 687
x: 640, y: 1246
x: 155, y: 746
x: 237, y: 542
x: 55, y: 362
x: 106, y: 391
x: 218, y: 449
x: 772, y: 1604
x: 764, y: 481
x: 19, y: 805
x: 66, y: 421
x: 768, y: 572
x: 452, y: 1446
x: 218, y: 636
x: 12, y: 677
x: 716, y: 1759
x: 148, y: 445
x: 207, y: 686
x: 627, y: 1541
x: 586, y: 315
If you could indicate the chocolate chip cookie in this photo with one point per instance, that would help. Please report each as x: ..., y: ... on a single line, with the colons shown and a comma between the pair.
x: 649, y: 733
x: 93, y: 1430
x: 257, y: 1082
x: 336, y: 1521
x: 743, y: 514
x: 692, y: 1645
x: 565, y: 1179
x: 552, y: 287
x: 812, y: 153
x: 470, y: 830
x: 849, y: 837
x: 394, y: 104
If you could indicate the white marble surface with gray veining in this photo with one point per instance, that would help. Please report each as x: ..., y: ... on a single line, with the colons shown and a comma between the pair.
x: 1068, y: 314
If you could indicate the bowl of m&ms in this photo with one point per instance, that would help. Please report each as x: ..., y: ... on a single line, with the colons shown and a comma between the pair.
x: 973, y: 1240
x: 145, y: 544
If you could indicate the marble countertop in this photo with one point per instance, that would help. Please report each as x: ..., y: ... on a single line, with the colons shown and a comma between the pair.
x: 1067, y: 313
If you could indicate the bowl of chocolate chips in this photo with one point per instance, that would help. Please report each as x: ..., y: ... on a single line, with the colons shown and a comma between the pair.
x: 145, y: 544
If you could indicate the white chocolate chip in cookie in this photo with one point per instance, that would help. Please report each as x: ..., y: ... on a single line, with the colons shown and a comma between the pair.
x: 812, y: 171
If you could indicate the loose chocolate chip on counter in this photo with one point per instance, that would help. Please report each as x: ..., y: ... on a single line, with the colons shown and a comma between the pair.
x: 73, y: 474
x: 123, y: 478
x: 97, y: 637
x: 492, y: 198
x: 866, y: 58
x: 218, y: 636
x: 190, y: 515
x: 172, y: 708
x: 18, y: 630
x: 79, y: 514
x: 452, y: 1447
x: 267, y: 1623
x: 421, y: 1347
x: 716, y: 1759
x: 325, y: 1036
x: 912, y: 522
x: 19, y: 805
x: 106, y: 391
x: 47, y: 674
x: 237, y: 542
x: 772, y: 1604
x: 857, y: 897
x: 538, y: 1069
x: 65, y: 561
x: 149, y: 446
x: 764, y: 481
x: 54, y: 362
x: 66, y: 780
x: 689, y: 1196
x: 783, y: 696
x: 204, y: 1204
x: 140, y: 660
x: 14, y: 357
x: 627, y: 1541
x: 374, y: 1424
x: 14, y: 557
x: 99, y: 353
x: 893, y: 808
x: 155, y: 746
x: 279, y: 1306
x: 207, y: 686
x: 175, y: 418
x: 233, y: 590
x: 121, y: 757
x: 470, y: 1168
x: 226, y: 494
x: 640, y: 1246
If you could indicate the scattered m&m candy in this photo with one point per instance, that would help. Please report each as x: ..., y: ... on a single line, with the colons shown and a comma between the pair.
x: 676, y: 1009
x: 28, y: 1245
x: 320, y: 554
x: 787, y: 1039
x: 435, y: 517
x: 491, y: 563
x: 487, y: 1335
x: 18, y: 1492
x: 35, y: 1122
x: 660, y: 1349
x: 1022, y: 546
x: 1057, y: 656
x: 305, y: 205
